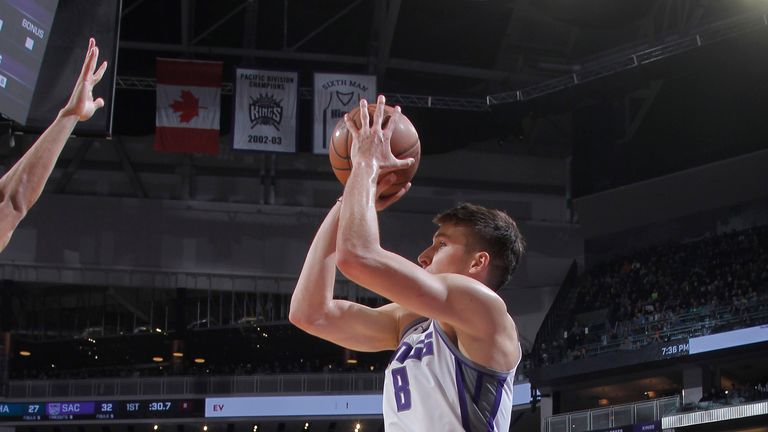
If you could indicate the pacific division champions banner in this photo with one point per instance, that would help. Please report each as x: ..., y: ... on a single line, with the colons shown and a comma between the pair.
x: 265, y: 110
x: 334, y: 96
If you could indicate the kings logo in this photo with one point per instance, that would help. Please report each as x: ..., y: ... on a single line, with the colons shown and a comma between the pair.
x: 265, y: 110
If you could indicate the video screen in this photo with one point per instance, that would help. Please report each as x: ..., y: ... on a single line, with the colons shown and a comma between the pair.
x: 25, y: 29
x: 76, y: 21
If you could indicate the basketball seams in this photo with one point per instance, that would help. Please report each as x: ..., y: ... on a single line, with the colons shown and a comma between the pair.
x: 408, y: 150
x: 335, y: 150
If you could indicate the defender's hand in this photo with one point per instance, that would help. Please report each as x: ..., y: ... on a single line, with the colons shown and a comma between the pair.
x: 81, y: 103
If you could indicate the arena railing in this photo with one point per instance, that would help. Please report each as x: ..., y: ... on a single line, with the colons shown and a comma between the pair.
x: 689, y: 325
x: 196, y: 385
x: 614, y: 416
x: 642, y: 335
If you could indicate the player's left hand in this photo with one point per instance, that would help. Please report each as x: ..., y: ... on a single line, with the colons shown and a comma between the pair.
x: 384, y: 183
x: 81, y: 103
x: 372, y: 143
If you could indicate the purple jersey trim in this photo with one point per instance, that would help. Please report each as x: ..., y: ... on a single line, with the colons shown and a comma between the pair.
x: 496, y: 403
x: 462, y: 395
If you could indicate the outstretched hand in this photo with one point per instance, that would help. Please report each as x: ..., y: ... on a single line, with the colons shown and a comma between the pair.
x: 371, y: 143
x: 81, y: 103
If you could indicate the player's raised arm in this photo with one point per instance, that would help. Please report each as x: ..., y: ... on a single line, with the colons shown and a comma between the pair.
x: 313, y: 308
x: 22, y: 185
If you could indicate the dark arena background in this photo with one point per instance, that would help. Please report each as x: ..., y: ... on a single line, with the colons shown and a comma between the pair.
x: 149, y: 291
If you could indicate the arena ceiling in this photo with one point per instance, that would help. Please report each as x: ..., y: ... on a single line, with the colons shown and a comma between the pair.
x: 455, y: 47
x: 468, y: 50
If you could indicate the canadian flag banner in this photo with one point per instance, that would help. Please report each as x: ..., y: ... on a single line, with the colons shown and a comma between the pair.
x: 188, y: 106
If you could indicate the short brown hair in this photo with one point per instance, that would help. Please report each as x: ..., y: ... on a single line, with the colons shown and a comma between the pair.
x: 495, y: 232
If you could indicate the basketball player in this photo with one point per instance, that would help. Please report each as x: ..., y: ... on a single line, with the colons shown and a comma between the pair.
x: 456, y: 347
x: 21, y: 186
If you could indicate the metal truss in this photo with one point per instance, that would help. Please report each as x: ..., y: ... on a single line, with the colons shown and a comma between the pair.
x: 142, y: 83
x: 588, y: 72
x: 615, y: 64
x: 438, y: 102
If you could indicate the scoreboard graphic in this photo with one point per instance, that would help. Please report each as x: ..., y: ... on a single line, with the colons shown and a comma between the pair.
x: 293, y: 406
x: 102, y: 410
x: 25, y: 28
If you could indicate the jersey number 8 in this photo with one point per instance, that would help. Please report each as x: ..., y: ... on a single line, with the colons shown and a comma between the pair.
x: 402, y: 388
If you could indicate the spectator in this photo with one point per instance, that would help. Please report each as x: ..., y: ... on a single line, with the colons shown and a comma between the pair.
x: 677, y: 290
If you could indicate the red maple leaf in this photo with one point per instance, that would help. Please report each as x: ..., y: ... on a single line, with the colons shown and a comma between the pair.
x: 187, y: 107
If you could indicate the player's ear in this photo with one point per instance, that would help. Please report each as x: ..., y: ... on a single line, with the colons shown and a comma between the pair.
x: 480, y: 261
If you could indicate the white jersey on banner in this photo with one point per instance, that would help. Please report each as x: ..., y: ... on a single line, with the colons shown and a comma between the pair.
x: 265, y: 110
x: 431, y: 386
x: 334, y: 96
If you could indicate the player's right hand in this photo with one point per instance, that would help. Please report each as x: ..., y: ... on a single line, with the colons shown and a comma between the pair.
x: 371, y: 143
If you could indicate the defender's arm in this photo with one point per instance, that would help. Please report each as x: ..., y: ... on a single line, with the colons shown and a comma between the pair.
x: 22, y: 185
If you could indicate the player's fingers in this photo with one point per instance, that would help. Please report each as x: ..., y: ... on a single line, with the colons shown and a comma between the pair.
x: 99, y: 73
x: 403, y: 190
x: 386, y: 181
x: 403, y: 163
x: 378, y: 115
x: 98, y: 103
x: 92, y: 60
x: 387, y: 201
x: 351, y: 126
x: 88, y: 58
x: 396, y: 165
x: 393, y: 119
x: 364, y: 117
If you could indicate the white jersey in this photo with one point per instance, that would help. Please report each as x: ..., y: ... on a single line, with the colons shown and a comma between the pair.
x: 431, y: 386
x: 339, y: 103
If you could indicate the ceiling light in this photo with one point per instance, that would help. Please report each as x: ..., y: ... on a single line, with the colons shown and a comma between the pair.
x: 178, y: 354
x: 157, y: 359
x: 25, y: 353
x: 199, y: 360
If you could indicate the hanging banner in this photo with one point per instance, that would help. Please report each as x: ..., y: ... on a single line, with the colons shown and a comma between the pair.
x: 334, y: 96
x: 188, y: 106
x: 265, y: 110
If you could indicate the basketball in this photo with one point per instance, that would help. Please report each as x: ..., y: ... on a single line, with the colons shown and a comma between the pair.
x: 404, y: 143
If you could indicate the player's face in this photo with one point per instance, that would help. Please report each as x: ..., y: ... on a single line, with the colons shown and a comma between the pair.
x: 449, y: 252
